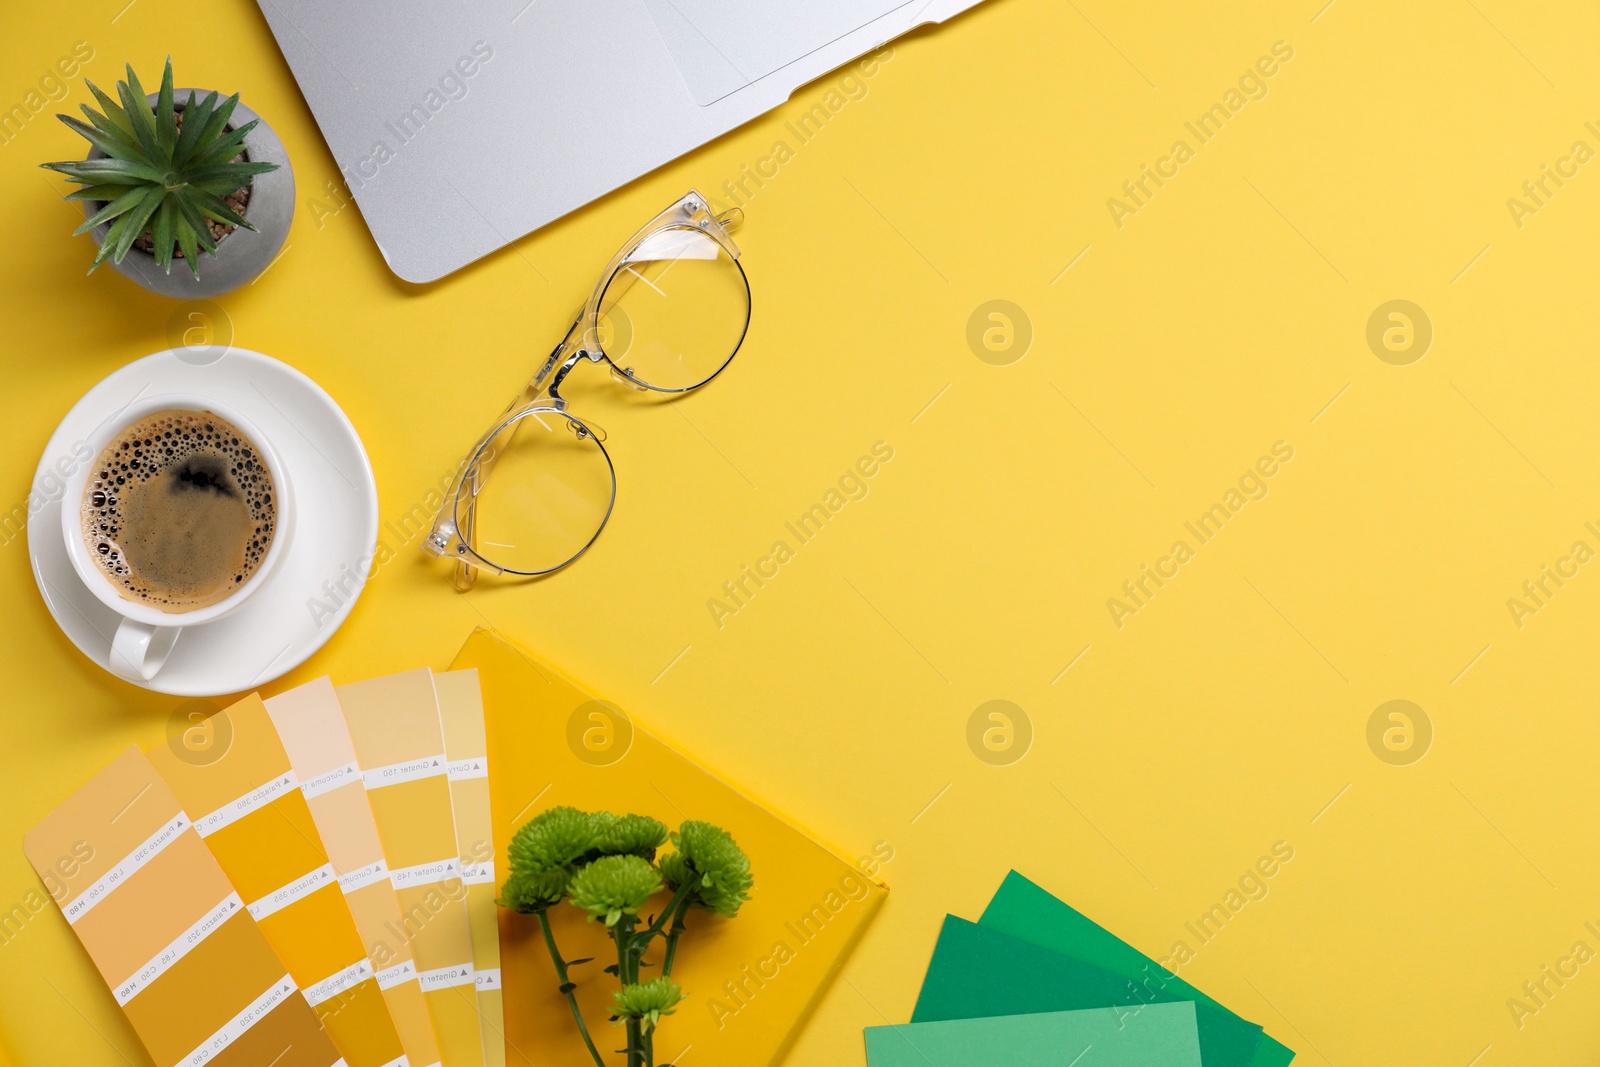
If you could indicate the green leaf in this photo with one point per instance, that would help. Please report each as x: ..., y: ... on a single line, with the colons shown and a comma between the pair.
x: 166, y: 125
x: 109, y: 128
x: 161, y: 233
x: 136, y: 220
x: 197, y: 225
x: 219, y: 119
x: 186, y: 241
x: 140, y: 116
x: 124, y: 203
x: 106, y: 193
x: 212, y: 207
x: 239, y: 171
x: 225, y: 147
x: 109, y: 245
x: 219, y: 186
x: 93, y: 171
x: 195, y: 117
x: 111, y: 146
x: 113, y: 110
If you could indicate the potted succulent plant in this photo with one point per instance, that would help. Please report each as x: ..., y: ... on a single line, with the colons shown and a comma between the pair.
x: 176, y: 173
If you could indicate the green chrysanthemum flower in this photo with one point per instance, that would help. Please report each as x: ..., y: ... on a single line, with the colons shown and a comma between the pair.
x: 708, y: 859
x: 636, y: 835
x: 647, y: 1001
x: 551, y: 839
x: 542, y: 853
x: 614, y: 886
x: 527, y: 892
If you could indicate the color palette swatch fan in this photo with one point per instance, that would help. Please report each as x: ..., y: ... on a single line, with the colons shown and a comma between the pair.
x: 1036, y: 981
x: 310, y: 880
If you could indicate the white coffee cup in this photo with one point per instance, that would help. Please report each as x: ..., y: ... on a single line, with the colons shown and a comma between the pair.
x: 146, y: 635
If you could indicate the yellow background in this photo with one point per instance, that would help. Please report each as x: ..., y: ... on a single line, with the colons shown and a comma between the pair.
x: 1223, y: 317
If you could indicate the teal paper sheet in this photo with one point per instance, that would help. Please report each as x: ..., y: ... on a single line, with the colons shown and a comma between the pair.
x: 1025, y: 911
x: 977, y: 972
x: 1160, y: 1035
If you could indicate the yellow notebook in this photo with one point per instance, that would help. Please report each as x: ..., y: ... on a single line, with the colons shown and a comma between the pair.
x: 750, y: 981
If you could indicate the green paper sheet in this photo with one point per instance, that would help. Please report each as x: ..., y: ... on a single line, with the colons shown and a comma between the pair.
x: 1160, y: 1035
x: 977, y: 972
x: 1025, y: 911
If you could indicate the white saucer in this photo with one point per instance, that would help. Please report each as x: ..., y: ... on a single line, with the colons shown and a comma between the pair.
x: 335, y: 524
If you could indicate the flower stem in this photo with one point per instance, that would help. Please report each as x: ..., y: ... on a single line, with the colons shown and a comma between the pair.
x: 672, y: 937
x: 566, y: 986
x: 627, y: 974
x: 679, y: 900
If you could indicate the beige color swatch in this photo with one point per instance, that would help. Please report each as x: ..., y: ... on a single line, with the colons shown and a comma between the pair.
x: 399, y: 746
x: 312, y: 729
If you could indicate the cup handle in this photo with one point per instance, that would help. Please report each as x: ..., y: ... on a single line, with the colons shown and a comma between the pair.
x: 140, y: 650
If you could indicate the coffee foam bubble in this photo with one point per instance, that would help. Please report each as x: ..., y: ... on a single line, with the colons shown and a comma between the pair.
x: 179, y: 510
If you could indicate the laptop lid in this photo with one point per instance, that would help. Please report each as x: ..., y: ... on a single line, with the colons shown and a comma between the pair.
x: 460, y: 126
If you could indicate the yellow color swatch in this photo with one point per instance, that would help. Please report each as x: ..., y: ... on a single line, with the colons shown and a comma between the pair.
x: 245, y: 801
x: 312, y: 729
x: 467, y: 748
x: 750, y: 981
x: 177, y: 947
x: 394, y: 725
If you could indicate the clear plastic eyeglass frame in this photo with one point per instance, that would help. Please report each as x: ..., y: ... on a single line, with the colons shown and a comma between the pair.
x: 682, y: 229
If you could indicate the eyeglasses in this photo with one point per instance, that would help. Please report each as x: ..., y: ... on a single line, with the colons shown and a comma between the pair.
x: 669, y: 313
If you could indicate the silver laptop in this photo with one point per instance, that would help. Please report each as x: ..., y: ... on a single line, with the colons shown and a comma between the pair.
x: 461, y: 125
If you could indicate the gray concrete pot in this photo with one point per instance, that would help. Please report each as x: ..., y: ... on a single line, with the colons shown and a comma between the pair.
x: 243, y: 254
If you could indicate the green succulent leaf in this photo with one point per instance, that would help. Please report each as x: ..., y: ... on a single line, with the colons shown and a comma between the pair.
x: 112, y: 109
x: 140, y: 117
x: 122, y: 204
x: 135, y: 221
x: 186, y: 242
x: 107, y: 192
x: 241, y: 171
x: 197, y: 223
x: 112, y: 146
x: 212, y: 207
x: 166, y: 124
x: 647, y: 1001
x: 161, y: 233
x: 195, y: 117
x: 224, y: 148
x: 218, y: 122
x: 109, y: 245
x: 614, y: 886
x: 108, y: 128
x: 95, y: 171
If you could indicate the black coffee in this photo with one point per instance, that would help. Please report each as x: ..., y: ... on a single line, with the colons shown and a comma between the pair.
x: 179, y: 511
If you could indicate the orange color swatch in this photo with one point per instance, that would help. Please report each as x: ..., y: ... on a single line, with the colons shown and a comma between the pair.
x: 394, y: 724
x: 174, y: 942
x: 467, y: 748
x: 312, y: 729
x: 245, y: 801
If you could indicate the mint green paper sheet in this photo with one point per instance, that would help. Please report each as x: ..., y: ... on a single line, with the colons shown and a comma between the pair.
x: 1025, y: 911
x: 1160, y: 1035
x: 977, y: 972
